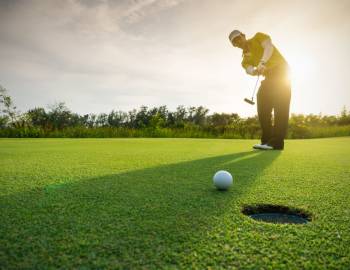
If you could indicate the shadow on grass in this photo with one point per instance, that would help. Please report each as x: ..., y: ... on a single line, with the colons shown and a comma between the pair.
x: 145, y: 218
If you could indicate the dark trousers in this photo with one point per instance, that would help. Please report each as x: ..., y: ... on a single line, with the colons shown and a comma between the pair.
x: 274, y: 95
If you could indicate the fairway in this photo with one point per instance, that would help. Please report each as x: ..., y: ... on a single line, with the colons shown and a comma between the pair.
x: 151, y: 204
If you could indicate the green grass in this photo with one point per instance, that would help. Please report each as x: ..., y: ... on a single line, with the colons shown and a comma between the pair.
x: 150, y: 203
x: 301, y: 131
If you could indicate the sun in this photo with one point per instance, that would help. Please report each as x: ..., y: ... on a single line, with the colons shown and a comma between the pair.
x: 305, y: 76
x: 301, y: 66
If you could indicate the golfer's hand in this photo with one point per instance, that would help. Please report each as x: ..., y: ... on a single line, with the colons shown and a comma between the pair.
x: 251, y: 71
x: 261, y: 68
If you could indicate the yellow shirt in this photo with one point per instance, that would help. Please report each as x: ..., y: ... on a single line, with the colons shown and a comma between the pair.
x: 252, y: 56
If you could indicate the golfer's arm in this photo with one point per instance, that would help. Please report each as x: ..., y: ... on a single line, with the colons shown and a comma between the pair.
x: 268, y: 50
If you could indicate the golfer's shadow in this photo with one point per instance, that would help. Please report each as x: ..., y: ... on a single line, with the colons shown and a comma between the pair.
x: 125, y: 216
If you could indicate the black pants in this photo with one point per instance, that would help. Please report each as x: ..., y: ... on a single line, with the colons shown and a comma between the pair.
x: 274, y: 95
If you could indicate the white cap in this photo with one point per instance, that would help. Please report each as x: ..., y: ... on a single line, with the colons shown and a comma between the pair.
x: 234, y: 33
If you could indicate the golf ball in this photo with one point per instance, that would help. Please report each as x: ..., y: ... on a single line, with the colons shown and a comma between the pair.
x: 222, y: 180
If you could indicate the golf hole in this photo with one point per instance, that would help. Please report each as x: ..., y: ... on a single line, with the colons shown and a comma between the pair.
x: 276, y: 214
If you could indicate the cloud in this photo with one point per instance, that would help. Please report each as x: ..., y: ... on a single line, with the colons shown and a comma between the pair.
x: 143, y: 8
x: 78, y: 37
x: 79, y: 46
x: 102, y: 54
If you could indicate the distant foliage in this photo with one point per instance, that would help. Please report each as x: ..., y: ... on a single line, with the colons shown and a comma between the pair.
x: 8, y: 112
x: 192, y: 122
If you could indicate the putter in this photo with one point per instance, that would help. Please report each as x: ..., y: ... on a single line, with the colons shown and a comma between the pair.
x: 251, y: 101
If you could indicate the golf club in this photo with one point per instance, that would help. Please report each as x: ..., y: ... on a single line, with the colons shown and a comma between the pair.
x: 251, y: 101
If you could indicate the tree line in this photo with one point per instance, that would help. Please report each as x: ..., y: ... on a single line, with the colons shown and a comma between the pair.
x: 59, y: 121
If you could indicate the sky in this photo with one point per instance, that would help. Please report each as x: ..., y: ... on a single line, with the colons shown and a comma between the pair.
x: 98, y: 56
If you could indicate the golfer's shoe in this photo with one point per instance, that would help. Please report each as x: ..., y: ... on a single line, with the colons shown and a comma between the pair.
x: 266, y: 147
x: 262, y: 147
x: 257, y: 146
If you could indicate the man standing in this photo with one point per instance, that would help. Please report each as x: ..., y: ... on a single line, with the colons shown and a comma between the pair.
x: 260, y: 57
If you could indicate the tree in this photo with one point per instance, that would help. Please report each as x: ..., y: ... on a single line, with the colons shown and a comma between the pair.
x: 132, y: 118
x: 344, y: 118
x: 38, y: 117
x: 91, y: 120
x: 117, y: 118
x: 221, y: 119
x: 198, y: 115
x: 60, y: 116
x: 158, y: 117
x: 252, y: 126
x: 8, y: 111
x: 180, y: 116
x: 102, y: 120
x: 142, y: 117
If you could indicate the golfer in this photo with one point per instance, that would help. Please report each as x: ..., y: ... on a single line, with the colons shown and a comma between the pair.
x: 260, y: 57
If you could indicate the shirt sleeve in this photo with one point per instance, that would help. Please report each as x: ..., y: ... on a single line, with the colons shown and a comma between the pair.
x: 260, y: 37
x: 245, y: 63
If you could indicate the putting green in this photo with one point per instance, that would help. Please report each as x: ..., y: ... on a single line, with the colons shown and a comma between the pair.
x: 150, y: 203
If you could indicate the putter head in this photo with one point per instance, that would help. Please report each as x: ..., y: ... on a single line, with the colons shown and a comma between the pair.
x: 250, y: 101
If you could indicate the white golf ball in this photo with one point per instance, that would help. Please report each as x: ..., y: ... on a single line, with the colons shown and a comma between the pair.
x: 222, y: 180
